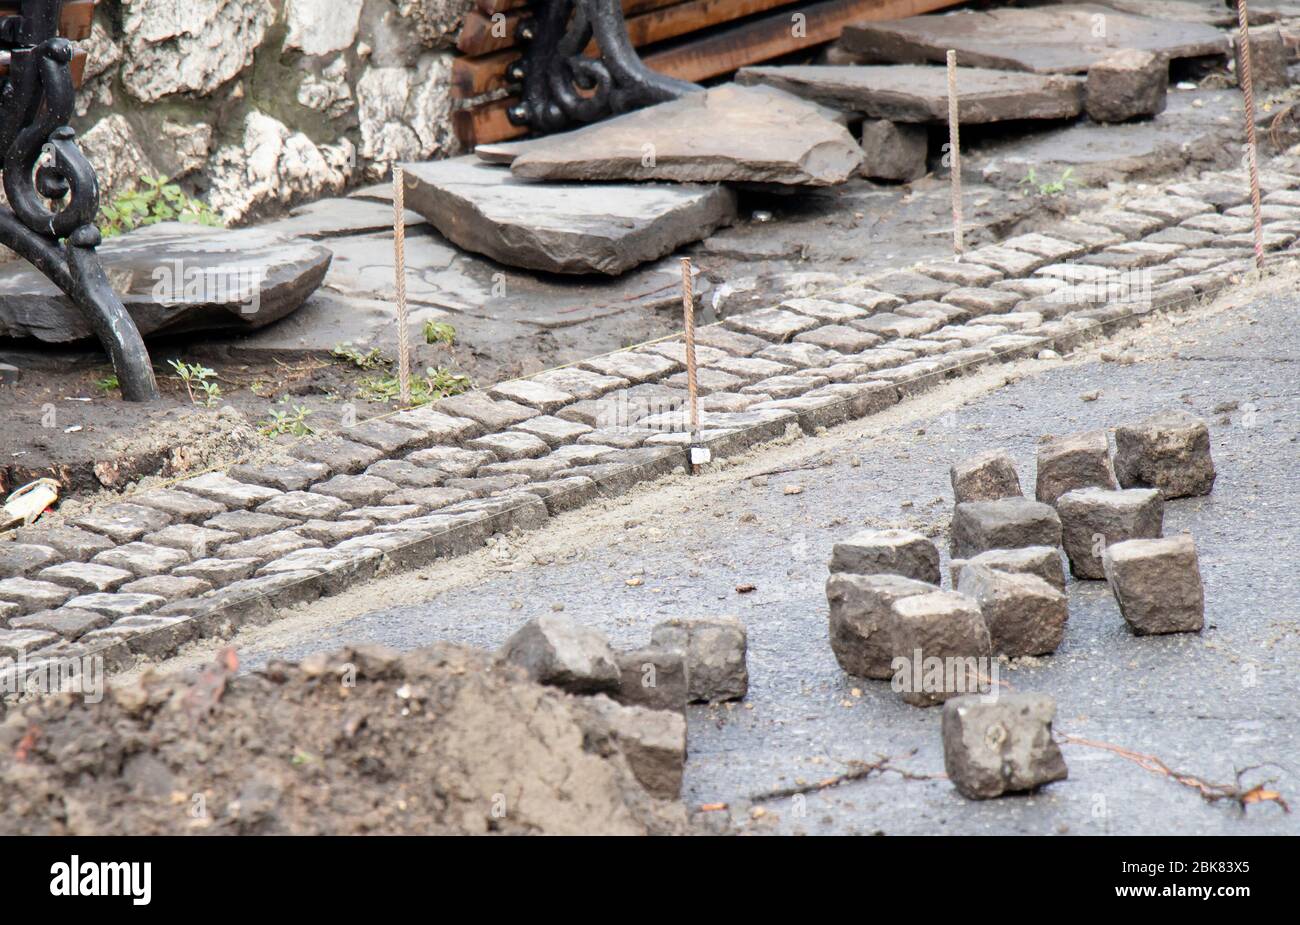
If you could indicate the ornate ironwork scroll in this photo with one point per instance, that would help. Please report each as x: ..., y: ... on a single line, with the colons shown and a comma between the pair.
x: 52, y: 189
x: 562, y: 86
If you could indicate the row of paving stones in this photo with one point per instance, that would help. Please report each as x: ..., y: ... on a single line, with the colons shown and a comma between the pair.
x: 141, y: 577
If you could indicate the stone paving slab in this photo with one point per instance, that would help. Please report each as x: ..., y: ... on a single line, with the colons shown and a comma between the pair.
x: 919, y: 93
x: 1057, y: 39
x: 563, y: 227
x: 480, y: 463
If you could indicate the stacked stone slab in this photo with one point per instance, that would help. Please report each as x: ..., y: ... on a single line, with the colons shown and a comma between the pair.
x: 1157, y: 583
x: 1075, y: 461
x: 1169, y: 451
x: 1024, y: 614
x: 987, y: 477
x: 887, y: 552
x: 992, y: 747
x: 1094, y: 518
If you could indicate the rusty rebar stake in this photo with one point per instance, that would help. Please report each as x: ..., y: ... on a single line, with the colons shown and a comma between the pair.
x: 399, y: 271
x: 954, y: 154
x: 1252, y: 160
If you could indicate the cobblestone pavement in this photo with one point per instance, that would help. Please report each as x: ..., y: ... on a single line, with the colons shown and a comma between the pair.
x: 140, y: 577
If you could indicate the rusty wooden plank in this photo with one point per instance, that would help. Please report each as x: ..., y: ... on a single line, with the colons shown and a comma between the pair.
x: 471, y: 77
x: 485, y: 124
x: 482, y: 33
x: 772, y: 36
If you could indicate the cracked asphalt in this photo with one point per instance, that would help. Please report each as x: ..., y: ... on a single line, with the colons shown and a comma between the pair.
x: 1208, y: 704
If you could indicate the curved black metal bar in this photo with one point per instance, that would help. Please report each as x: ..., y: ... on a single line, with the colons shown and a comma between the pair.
x: 562, y: 86
x: 42, y: 164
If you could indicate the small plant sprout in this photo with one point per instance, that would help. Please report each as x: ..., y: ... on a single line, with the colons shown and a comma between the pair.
x: 371, y: 359
x: 198, y: 383
x: 293, y: 422
x: 439, y: 332
x: 154, y: 200
x: 1048, y: 187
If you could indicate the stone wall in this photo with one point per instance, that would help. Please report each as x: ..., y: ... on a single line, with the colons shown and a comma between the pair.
x: 260, y: 104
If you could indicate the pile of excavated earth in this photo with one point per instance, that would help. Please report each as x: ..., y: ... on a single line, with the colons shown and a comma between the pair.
x: 444, y: 740
x: 890, y: 620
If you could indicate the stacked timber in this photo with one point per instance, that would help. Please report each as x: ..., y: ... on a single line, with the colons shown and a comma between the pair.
x: 691, y: 40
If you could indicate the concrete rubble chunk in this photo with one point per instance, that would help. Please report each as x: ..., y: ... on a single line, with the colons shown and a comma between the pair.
x: 1074, y: 461
x: 860, y: 608
x: 1157, y: 583
x: 1008, y: 523
x: 887, y: 552
x: 893, y: 150
x: 653, y: 677
x: 1094, y: 518
x: 563, y: 227
x: 556, y: 650
x: 1127, y: 84
x: 919, y: 92
x: 715, y: 648
x: 986, y: 477
x: 255, y: 277
x: 1000, y: 746
x: 940, y: 642
x: 652, y: 741
x: 1169, y: 450
x: 1057, y: 39
x: 1025, y: 615
x: 726, y: 133
x: 1043, y: 561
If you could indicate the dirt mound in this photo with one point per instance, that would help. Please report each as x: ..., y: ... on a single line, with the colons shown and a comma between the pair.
x: 367, y: 740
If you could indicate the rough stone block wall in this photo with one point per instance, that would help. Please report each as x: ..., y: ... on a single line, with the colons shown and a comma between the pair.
x: 259, y: 104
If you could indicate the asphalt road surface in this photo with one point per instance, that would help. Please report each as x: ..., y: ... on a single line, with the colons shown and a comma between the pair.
x: 1210, y: 704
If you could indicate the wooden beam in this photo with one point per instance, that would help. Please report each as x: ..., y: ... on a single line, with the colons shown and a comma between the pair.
x: 471, y: 77
x: 772, y: 36
x: 692, y: 17
x: 485, y: 124
x: 482, y: 33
